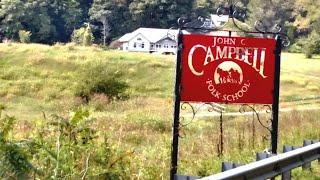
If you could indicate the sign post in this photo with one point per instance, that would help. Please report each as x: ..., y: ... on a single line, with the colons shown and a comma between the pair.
x: 176, y: 116
x: 275, y: 104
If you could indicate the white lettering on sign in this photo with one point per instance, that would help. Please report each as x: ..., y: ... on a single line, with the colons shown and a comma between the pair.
x: 237, y: 95
x: 227, y: 97
x: 190, y: 59
x: 249, y: 55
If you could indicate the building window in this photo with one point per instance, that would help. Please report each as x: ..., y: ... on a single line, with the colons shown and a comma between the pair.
x: 142, y: 45
x: 135, y: 45
x: 151, y: 45
x: 139, y: 39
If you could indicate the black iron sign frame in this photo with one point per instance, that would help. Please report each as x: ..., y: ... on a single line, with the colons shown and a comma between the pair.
x: 204, y: 25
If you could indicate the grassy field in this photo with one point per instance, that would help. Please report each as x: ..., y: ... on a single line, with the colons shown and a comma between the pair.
x: 39, y: 80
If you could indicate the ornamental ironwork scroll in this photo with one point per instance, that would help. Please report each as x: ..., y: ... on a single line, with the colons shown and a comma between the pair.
x: 262, y: 54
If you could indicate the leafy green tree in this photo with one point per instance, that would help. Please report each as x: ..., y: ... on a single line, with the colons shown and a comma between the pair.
x: 160, y: 14
x: 48, y: 20
x: 306, y: 13
x: 102, y: 11
x: 11, y: 17
x: 270, y: 12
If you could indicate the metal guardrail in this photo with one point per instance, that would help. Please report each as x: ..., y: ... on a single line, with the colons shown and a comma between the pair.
x: 272, y: 166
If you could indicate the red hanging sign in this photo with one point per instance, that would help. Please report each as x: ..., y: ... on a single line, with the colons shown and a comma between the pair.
x: 227, y: 69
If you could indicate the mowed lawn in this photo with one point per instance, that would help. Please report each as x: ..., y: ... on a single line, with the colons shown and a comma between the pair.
x: 39, y: 80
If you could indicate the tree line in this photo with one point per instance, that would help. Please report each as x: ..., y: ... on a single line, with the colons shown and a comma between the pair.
x: 50, y: 21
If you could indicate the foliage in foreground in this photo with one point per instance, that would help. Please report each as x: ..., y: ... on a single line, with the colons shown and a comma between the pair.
x: 13, y: 157
x: 61, y: 148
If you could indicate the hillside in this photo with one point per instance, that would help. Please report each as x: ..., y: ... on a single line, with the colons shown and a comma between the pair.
x: 39, y: 80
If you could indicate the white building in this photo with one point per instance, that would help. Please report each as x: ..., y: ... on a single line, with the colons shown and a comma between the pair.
x: 150, y: 40
x: 163, y: 41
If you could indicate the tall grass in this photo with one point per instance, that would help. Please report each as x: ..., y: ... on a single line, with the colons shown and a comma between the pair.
x: 39, y: 80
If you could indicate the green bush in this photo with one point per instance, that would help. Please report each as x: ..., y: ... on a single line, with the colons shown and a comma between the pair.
x: 97, y: 78
x: 24, y: 36
x: 312, y: 45
x: 309, y: 50
x: 83, y: 36
x: 296, y: 47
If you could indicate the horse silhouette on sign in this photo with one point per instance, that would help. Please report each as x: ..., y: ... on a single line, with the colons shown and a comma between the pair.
x: 230, y: 76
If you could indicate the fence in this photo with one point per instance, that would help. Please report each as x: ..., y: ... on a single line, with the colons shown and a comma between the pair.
x: 268, y: 165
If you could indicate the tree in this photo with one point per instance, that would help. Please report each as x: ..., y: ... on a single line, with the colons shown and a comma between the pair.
x: 158, y: 13
x: 11, y: 17
x: 48, y: 20
x: 306, y: 13
x: 270, y: 12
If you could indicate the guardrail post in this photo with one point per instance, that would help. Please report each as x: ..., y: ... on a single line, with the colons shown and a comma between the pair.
x: 286, y: 175
x: 180, y: 177
x: 316, y: 141
x: 264, y: 155
x: 227, y: 166
x: 307, y: 165
x: 260, y: 156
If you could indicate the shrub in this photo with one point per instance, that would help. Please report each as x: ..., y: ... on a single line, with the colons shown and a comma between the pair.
x: 83, y: 36
x: 296, y: 47
x: 24, y: 36
x: 97, y: 78
x: 77, y: 35
x: 87, y: 36
x: 308, y: 50
x: 312, y: 45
